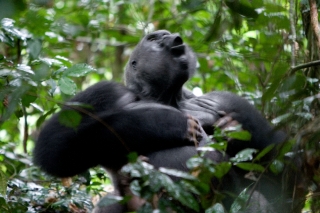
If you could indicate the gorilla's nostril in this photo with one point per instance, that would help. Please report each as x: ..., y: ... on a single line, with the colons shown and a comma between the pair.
x: 177, y: 41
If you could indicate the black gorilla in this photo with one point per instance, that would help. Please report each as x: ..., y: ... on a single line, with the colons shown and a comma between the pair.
x: 150, y: 117
x: 160, y: 65
x: 116, y: 123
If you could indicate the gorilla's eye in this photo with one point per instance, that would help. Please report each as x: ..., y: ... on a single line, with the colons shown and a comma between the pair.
x: 133, y: 63
x: 151, y: 38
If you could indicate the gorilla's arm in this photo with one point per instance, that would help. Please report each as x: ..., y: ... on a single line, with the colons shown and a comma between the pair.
x: 207, y: 109
x: 125, y: 124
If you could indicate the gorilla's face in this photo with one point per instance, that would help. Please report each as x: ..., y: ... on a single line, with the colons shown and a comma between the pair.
x: 159, y: 66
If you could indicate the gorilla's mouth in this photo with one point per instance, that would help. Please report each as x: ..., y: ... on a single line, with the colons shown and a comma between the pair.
x: 177, y: 48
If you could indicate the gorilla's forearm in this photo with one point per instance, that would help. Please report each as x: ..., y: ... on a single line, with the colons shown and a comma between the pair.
x: 116, y: 125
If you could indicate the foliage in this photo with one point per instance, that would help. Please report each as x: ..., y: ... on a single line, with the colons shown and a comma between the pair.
x: 49, y: 50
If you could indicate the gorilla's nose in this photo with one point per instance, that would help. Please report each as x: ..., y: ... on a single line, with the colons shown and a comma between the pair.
x: 175, y: 43
x: 172, y: 40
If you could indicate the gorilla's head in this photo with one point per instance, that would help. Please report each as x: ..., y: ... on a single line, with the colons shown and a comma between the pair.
x: 159, y: 66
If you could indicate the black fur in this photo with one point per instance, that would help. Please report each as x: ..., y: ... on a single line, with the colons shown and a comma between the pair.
x: 150, y: 117
x: 126, y: 124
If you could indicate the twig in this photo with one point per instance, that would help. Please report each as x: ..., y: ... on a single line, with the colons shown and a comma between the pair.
x: 90, y: 114
x: 95, y: 117
x: 25, y: 130
x: 302, y: 66
x: 256, y: 183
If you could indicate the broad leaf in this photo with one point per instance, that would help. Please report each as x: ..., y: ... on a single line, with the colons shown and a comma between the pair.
x: 70, y: 118
x: 217, y: 208
x: 250, y: 167
x: 67, y: 86
x: 244, y: 155
x: 78, y: 70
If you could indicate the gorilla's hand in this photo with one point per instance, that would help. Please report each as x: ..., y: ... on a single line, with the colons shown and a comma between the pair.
x: 194, y: 133
x: 226, y: 121
x: 203, y: 110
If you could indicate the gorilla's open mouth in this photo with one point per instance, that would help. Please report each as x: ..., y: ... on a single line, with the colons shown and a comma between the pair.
x: 177, y: 46
x: 178, y: 50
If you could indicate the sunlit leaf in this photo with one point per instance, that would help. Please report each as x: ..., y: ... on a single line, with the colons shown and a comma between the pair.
x: 219, y: 146
x: 277, y: 166
x: 34, y: 48
x: 185, y: 197
x: 244, y: 155
x: 176, y: 173
x: 78, y: 70
x: 52, y: 86
x: 240, y: 201
x: 70, y: 118
x: 216, y: 208
x: 67, y: 86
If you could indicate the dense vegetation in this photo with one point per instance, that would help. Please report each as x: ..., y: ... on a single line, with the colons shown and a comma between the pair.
x: 266, y: 51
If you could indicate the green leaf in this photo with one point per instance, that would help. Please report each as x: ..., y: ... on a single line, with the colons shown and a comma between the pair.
x: 132, y: 157
x: 194, y: 162
x: 222, y: 169
x: 240, y: 202
x: 264, y: 152
x: 217, y: 208
x: 70, y: 118
x: 29, y: 97
x: 240, y: 135
x: 52, y: 86
x: 179, y: 193
x: 65, y: 61
x: 34, y: 48
x: 13, y: 100
x: 78, y: 70
x: 277, y: 166
x: 26, y: 69
x: 222, y: 146
x: 244, y: 155
x: 3, y: 183
x: 8, y: 26
x: 42, y: 118
x: 177, y: 173
x: 250, y: 167
x: 67, y: 86
x: 9, y: 40
x: 135, y: 188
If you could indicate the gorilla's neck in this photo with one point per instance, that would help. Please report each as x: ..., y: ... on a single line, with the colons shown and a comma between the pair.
x: 167, y: 96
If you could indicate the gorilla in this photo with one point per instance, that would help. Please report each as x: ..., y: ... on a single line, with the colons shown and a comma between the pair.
x: 156, y: 117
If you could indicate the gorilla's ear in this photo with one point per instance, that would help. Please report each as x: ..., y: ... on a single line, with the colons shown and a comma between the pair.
x: 134, y: 64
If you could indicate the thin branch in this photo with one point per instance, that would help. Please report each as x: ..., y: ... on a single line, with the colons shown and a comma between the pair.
x: 306, y: 65
x: 25, y: 130
x: 90, y: 114
x: 19, y: 58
